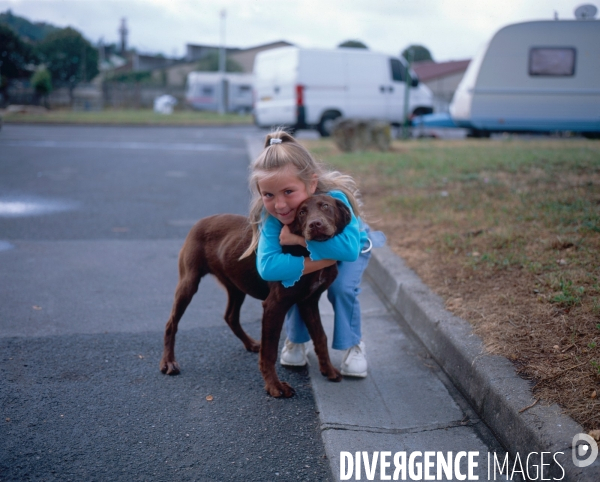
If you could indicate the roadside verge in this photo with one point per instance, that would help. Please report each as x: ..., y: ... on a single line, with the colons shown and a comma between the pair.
x: 501, y: 398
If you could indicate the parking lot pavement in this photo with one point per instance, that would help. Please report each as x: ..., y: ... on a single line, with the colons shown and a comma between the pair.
x: 91, y: 223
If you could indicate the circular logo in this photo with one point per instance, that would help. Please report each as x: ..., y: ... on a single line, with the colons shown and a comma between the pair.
x: 585, y: 452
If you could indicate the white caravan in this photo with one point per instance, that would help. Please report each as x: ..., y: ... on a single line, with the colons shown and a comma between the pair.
x: 204, y: 90
x: 539, y: 76
x: 310, y: 88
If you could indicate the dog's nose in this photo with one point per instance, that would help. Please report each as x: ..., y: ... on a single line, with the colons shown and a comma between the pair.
x: 316, y: 224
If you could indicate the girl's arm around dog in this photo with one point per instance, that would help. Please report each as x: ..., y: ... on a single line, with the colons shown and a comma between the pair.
x: 274, y: 265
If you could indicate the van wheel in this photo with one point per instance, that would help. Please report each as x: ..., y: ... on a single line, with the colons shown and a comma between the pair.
x: 326, y: 125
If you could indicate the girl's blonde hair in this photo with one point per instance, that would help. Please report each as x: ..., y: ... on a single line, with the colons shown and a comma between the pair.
x: 289, y: 152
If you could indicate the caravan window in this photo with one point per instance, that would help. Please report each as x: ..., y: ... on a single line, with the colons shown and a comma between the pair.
x: 208, y: 91
x: 552, y: 61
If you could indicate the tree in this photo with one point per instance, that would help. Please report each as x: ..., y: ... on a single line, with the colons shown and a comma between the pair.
x: 69, y: 58
x: 419, y: 53
x: 352, y: 44
x: 41, y: 81
x: 15, y: 56
x: 25, y: 29
x: 210, y: 63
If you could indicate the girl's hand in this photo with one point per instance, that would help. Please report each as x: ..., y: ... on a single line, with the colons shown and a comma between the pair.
x: 286, y: 238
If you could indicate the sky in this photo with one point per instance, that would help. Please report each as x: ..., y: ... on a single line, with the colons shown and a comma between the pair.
x: 450, y: 29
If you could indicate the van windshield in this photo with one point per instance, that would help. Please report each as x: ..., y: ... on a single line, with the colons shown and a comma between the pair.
x: 398, y: 70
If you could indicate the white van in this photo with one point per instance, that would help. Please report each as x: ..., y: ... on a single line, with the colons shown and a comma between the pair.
x: 535, y: 76
x: 310, y: 88
x: 204, y: 88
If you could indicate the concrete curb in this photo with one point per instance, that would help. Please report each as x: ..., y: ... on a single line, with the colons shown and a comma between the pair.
x: 488, y: 382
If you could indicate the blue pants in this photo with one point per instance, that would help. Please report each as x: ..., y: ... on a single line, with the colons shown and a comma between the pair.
x: 343, y: 295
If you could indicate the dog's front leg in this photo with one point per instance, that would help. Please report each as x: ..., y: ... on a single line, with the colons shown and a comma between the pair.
x: 274, y: 312
x: 309, y: 311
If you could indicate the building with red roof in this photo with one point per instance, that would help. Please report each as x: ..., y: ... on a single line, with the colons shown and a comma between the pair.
x: 442, y: 78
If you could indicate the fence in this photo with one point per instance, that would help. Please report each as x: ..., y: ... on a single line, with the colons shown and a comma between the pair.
x: 93, y: 96
x: 136, y: 96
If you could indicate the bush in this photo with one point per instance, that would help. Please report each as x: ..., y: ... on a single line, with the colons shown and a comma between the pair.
x: 41, y: 81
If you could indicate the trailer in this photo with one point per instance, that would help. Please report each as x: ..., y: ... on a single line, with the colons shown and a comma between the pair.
x: 539, y: 76
x: 204, y: 90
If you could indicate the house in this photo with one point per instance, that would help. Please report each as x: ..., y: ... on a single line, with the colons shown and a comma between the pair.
x: 442, y: 78
x: 245, y: 57
x: 176, y: 74
x: 198, y: 52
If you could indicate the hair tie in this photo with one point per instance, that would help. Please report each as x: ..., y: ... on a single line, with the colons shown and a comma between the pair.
x: 275, y: 141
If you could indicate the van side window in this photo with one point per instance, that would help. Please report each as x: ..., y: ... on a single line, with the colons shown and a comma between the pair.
x: 398, y: 70
x: 552, y: 61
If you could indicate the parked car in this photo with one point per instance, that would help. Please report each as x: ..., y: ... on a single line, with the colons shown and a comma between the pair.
x: 310, y: 88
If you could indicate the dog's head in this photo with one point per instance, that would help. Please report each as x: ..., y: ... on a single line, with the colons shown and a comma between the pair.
x: 320, y: 217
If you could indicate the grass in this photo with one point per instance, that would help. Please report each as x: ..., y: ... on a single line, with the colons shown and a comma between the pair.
x: 507, y: 231
x: 127, y: 117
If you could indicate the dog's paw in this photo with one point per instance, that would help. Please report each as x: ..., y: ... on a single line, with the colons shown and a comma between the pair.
x: 282, y: 389
x: 334, y: 375
x: 169, y: 367
x: 252, y: 345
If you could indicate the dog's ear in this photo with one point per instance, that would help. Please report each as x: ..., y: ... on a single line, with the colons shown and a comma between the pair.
x: 296, y: 225
x: 342, y: 216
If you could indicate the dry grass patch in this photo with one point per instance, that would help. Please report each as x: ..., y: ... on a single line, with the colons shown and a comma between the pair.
x: 508, y: 232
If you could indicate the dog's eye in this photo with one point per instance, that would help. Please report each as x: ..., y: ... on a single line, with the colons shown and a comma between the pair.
x: 302, y: 213
x: 325, y: 206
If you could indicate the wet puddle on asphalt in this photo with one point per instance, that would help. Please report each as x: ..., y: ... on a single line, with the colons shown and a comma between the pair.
x: 21, y: 207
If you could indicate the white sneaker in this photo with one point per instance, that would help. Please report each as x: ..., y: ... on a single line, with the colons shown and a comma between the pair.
x: 354, y: 363
x: 293, y: 354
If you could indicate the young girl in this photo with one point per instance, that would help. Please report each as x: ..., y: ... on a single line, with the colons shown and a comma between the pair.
x: 284, y: 175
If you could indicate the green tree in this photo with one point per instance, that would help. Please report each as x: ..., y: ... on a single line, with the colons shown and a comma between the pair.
x: 41, y: 81
x: 353, y: 44
x: 69, y: 58
x: 15, y: 56
x: 25, y: 29
x: 416, y: 53
x: 210, y: 63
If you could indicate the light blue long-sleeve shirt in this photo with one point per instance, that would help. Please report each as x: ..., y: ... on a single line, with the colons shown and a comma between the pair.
x: 274, y: 265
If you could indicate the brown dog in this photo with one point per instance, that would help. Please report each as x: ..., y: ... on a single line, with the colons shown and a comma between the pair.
x: 214, y: 246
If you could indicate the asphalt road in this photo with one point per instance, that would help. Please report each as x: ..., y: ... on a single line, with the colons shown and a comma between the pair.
x: 91, y: 222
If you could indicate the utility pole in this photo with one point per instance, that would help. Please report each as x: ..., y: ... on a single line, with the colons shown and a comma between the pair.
x: 222, y: 64
x: 123, y: 31
x: 408, y: 79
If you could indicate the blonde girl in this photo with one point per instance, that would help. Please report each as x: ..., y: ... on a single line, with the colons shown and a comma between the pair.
x: 283, y: 176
